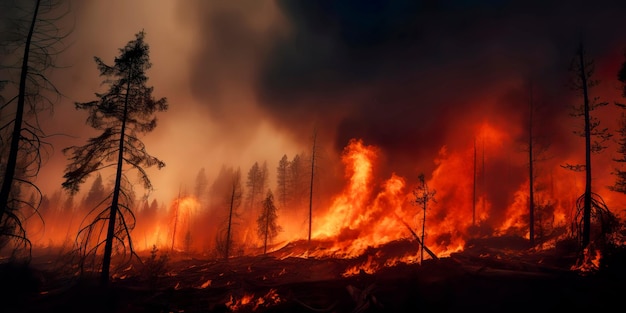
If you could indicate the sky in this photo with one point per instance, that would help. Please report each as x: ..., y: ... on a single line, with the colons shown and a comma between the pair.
x: 248, y: 81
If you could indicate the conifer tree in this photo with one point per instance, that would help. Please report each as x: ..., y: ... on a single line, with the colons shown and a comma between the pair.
x: 122, y: 113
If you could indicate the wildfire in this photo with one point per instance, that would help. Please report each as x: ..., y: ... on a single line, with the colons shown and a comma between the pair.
x: 479, y: 192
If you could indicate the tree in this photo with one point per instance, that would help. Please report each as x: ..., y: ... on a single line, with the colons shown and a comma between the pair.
x: 297, y: 180
x: 96, y: 194
x: 225, y: 242
x: 202, y: 183
x: 311, y: 185
x: 256, y: 183
x: 423, y: 195
x: 32, y: 40
x: 267, y: 227
x: 595, y: 137
x: 536, y: 147
x: 282, y: 180
x: 531, y: 174
x: 122, y: 113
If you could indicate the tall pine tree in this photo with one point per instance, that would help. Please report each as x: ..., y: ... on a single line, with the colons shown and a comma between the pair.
x: 122, y: 113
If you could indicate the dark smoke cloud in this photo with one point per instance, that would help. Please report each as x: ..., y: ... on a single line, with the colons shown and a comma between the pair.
x: 407, y: 75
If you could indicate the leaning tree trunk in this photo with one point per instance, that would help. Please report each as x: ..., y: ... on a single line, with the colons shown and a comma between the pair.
x: 531, y: 175
x: 108, y: 246
x: 9, y: 173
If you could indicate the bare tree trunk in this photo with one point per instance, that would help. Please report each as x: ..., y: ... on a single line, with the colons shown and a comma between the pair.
x: 423, y: 233
x: 531, y: 175
x: 230, y: 222
x: 587, y: 199
x: 267, y: 229
x: 9, y: 173
x: 108, y: 246
x: 175, y: 219
x: 311, y: 186
x: 474, y: 195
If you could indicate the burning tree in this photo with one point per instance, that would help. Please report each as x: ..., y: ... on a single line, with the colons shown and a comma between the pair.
x: 122, y: 113
x: 32, y: 41
x: 595, y: 138
x: 267, y: 228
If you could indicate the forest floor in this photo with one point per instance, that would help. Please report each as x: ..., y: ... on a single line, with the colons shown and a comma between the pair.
x: 491, y: 275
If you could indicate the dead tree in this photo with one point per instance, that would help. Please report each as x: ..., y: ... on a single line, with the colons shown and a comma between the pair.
x: 311, y: 184
x: 595, y: 137
x: 423, y: 195
x: 33, y: 43
x: 234, y: 202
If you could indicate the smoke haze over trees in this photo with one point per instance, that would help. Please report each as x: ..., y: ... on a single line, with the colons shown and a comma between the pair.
x: 418, y: 79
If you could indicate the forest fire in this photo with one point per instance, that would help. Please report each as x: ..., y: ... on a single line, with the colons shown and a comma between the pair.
x: 317, y: 156
x: 369, y: 211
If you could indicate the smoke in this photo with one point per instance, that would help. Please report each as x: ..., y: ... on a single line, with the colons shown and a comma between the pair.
x: 250, y: 80
x: 410, y: 77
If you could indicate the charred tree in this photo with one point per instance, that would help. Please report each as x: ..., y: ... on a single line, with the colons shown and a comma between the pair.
x: 267, y: 227
x: 176, y: 214
x: 594, y: 136
x: 234, y: 202
x: 313, y: 150
x: 474, y: 188
x: 531, y: 174
x: 125, y: 111
x: 423, y: 195
x: 32, y: 45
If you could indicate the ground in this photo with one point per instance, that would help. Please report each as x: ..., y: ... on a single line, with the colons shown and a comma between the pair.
x: 487, y: 276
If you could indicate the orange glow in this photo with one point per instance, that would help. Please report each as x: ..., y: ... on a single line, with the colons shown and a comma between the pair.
x: 370, y: 211
x: 171, y: 229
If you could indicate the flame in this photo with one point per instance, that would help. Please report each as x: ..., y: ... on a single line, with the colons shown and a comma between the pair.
x: 345, y: 212
x: 235, y: 304
x: 355, y: 219
x: 366, y: 214
x: 248, y: 302
x: 590, y: 261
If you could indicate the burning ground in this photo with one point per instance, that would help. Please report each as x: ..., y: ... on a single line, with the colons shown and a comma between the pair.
x: 364, y: 256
